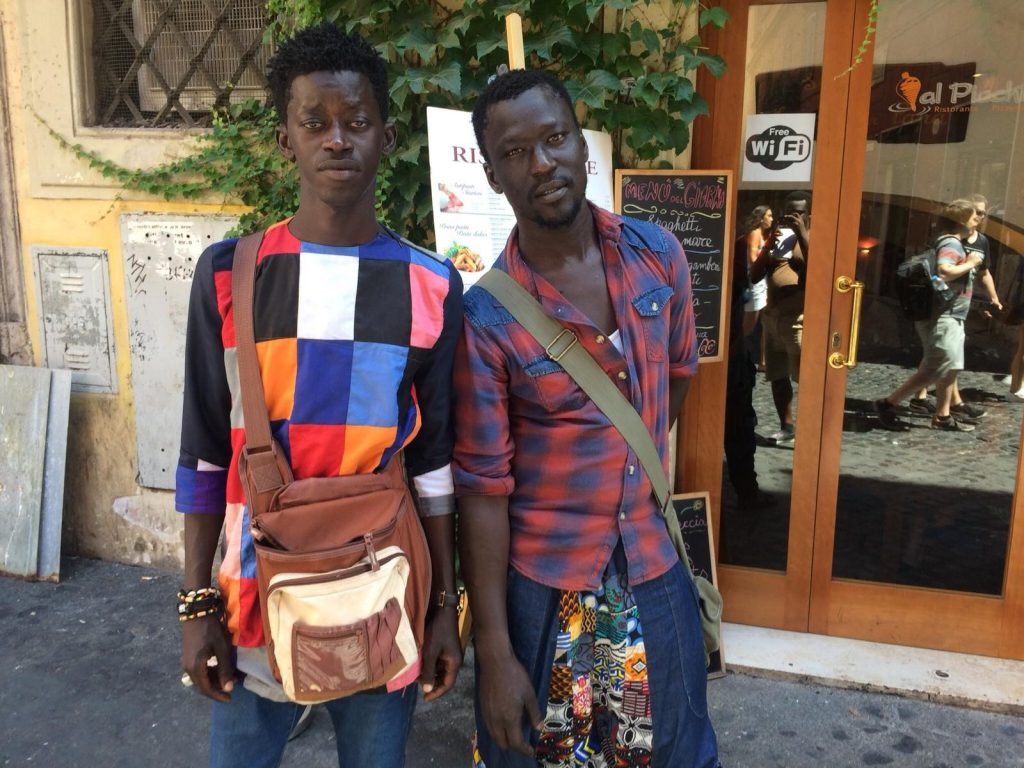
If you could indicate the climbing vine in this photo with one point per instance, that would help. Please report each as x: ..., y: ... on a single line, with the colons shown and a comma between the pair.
x: 237, y: 159
x: 866, y: 42
x: 629, y: 65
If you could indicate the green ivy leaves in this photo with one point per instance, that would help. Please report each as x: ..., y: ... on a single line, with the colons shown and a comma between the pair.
x: 598, y: 87
x: 628, y: 76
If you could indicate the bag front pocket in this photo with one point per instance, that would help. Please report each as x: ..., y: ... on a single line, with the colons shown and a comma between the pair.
x: 336, y: 633
x: 344, y: 658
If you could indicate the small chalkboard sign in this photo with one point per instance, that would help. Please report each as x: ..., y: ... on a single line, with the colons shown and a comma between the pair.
x: 696, y: 207
x: 694, y: 517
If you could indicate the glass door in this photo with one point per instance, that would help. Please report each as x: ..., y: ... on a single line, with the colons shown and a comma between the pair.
x: 920, y: 546
x: 779, y: 114
x: 905, y: 534
x: 781, y: 98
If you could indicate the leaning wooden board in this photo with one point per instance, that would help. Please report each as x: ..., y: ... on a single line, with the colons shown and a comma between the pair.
x: 694, y: 515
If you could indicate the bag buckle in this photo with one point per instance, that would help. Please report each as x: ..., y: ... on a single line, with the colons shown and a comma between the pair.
x: 568, y: 345
x: 263, y: 468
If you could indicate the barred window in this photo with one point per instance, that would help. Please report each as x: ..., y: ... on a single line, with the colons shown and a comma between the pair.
x: 165, y: 63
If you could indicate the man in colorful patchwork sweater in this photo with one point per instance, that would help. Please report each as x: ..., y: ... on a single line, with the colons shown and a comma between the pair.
x: 355, y: 333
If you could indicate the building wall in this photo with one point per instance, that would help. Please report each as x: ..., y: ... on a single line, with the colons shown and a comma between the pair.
x: 109, y: 511
x: 63, y: 203
x: 14, y: 343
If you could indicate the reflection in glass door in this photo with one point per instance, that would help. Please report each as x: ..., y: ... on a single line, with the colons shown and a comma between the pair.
x: 782, y: 85
x: 923, y: 502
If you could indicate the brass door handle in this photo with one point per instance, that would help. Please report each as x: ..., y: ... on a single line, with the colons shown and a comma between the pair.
x: 838, y: 359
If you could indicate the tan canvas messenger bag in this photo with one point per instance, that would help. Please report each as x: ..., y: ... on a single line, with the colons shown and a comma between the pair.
x: 342, y: 562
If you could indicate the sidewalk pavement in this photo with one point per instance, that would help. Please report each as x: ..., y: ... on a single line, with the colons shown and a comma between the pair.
x: 89, y: 677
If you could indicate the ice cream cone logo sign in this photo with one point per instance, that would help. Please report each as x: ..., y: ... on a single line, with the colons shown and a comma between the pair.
x: 908, y: 89
x: 940, y: 95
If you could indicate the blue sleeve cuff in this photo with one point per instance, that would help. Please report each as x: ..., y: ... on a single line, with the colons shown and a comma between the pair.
x: 202, y: 492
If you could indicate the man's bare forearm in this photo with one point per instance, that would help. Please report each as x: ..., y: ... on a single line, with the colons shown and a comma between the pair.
x: 677, y: 389
x: 990, y: 287
x: 483, y: 555
x: 440, y: 533
x: 202, y: 535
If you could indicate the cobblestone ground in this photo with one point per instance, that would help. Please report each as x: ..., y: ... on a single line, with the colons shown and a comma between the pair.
x: 920, y: 507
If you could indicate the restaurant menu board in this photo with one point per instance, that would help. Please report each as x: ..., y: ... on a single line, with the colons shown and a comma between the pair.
x: 694, y: 206
x: 694, y: 515
x: 471, y: 221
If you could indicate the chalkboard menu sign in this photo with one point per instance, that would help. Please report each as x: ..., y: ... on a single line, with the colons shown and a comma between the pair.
x: 694, y: 517
x: 695, y: 206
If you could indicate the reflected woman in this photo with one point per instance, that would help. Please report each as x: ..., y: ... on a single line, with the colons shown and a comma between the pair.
x: 755, y: 231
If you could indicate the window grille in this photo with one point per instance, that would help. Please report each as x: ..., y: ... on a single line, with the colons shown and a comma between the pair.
x: 164, y: 63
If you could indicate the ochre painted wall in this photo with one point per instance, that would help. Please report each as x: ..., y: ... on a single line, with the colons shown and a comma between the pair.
x: 61, y: 202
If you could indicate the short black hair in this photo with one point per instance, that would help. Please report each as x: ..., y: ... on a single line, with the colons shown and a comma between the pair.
x: 509, y: 86
x: 797, y: 196
x: 325, y: 48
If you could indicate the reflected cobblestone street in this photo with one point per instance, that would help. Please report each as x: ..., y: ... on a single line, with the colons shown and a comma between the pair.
x: 921, y: 507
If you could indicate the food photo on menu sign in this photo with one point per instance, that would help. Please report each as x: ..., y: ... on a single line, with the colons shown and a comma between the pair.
x: 471, y: 221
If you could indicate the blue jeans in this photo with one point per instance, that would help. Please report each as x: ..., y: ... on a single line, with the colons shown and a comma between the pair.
x: 370, y: 728
x: 683, y: 736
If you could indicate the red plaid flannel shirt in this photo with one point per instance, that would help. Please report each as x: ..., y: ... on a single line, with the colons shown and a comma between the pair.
x: 525, y: 430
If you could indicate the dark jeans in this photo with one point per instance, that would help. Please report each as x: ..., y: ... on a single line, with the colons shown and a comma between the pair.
x: 683, y: 736
x: 370, y: 728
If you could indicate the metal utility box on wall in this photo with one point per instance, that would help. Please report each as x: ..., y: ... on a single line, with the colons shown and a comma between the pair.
x: 160, y: 252
x: 73, y: 291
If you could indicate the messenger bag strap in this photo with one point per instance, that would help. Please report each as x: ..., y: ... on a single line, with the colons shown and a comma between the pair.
x: 258, y: 441
x: 562, y: 346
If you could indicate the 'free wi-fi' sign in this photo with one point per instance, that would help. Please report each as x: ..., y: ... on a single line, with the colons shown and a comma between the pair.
x: 778, y: 147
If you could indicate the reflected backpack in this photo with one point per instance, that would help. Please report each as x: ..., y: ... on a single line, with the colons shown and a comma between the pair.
x: 921, y: 292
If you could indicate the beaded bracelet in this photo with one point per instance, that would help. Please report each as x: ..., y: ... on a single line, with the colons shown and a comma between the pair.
x: 196, y: 603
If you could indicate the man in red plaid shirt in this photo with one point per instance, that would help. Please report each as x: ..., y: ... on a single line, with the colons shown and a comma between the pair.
x: 588, y: 640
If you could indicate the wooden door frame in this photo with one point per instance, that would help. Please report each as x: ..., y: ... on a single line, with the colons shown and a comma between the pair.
x: 957, y: 621
x: 806, y: 598
x: 756, y: 596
